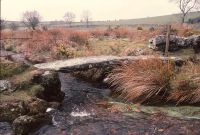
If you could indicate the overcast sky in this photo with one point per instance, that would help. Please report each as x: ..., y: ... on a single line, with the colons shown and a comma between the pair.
x: 100, y: 9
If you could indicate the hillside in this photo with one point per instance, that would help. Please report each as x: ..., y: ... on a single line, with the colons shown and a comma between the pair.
x: 174, y: 18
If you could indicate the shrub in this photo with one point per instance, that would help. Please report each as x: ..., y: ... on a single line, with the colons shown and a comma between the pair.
x: 97, y: 33
x: 79, y: 37
x: 141, y: 80
x: 186, y: 85
x: 54, y: 35
x: 13, y: 26
x: 10, y: 47
x: 121, y: 32
x: 173, y: 31
x: 63, y: 51
x: 139, y: 28
x: 45, y: 28
x: 151, y: 29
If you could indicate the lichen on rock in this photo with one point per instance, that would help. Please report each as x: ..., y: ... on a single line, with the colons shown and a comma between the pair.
x: 24, y: 125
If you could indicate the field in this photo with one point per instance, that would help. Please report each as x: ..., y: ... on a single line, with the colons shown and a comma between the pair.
x: 52, y: 44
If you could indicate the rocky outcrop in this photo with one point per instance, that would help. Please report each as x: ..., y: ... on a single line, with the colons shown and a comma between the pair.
x: 176, y: 42
x: 11, y: 110
x: 196, y: 45
x: 24, y: 125
x: 26, y: 116
x: 51, y: 86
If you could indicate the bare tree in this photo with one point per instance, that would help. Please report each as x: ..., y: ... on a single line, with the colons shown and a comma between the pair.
x: 186, y: 6
x: 86, y: 17
x: 13, y: 26
x: 31, y: 19
x: 69, y: 17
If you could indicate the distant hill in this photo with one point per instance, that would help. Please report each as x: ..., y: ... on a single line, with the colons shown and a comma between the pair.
x: 174, y: 18
x: 158, y: 20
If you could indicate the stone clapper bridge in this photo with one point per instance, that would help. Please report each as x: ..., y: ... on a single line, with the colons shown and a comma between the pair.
x: 85, y: 63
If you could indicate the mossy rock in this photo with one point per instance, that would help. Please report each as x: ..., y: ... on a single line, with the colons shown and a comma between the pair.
x: 37, y: 106
x: 8, y: 68
x: 11, y: 110
x: 24, y: 125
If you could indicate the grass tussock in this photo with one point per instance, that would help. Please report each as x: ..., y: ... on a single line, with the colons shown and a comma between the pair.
x: 142, y: 80
x: 186, y: 85
x: 155, y: 80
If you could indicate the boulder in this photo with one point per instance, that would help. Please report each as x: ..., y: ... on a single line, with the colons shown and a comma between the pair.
x: 24, y: 125
x: 11, y: 110
x: 196, y: 43
x: 37, y: 106
x: 5, y: 85
x: 52, y: 86
x: 176, y: 42
x: 159, y: 42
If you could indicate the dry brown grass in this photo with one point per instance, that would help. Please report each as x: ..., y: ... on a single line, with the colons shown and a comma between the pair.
x: 142, y: 80
x: 186, y: 85
x: 98, y: 33
x: 51, y: 44
x: 79, y: 37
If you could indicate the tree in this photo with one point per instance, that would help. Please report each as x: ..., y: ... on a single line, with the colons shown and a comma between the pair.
x: 31, y: 19
x: 86, y: 17
x: 13, y: 26
x: 69, y: 17
x: 186, y: 6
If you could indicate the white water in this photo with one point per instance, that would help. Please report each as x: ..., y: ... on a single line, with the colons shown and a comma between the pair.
x: 79, y: 113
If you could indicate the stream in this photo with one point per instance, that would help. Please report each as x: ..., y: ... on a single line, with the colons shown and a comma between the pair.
x: 80, y: 115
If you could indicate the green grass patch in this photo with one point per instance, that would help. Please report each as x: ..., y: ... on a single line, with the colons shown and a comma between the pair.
x: 17, y: 95
x: 184, y: 53
x: 8, y: 68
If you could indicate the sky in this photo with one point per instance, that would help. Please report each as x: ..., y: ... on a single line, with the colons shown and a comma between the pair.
x: 100, y: 9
